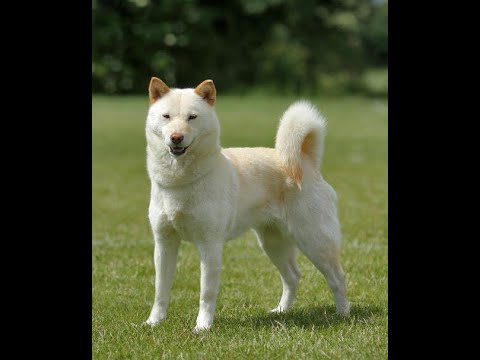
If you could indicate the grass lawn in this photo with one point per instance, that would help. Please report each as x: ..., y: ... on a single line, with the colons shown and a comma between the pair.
x: 355, y: 164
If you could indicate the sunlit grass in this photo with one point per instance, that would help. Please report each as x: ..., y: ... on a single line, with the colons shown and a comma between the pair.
x: 355, y: 163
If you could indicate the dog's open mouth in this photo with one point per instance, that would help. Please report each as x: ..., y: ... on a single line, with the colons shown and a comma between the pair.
x: 178, y: 150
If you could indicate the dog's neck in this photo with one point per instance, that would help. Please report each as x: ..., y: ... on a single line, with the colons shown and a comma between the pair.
x: 168, y: 171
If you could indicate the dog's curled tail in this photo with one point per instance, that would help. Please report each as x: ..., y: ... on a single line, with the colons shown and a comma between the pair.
x: 300, y: 135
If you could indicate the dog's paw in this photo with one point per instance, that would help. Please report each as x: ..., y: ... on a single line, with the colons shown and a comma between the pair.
x: 344, y: 310
x: 156, y: 316
x: 151, y: 322
x: 154, y: 320
x: 200, y: 329
x: 204, y: 322
x: 278, y: 310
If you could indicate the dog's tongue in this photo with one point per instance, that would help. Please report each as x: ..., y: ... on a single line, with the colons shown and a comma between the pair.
x: 177, y: 150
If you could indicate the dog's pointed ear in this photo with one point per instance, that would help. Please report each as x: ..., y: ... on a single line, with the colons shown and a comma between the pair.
x: 207, y: 91
x: 157, y: 89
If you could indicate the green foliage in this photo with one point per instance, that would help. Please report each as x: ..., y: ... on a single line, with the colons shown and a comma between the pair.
x: 374, y: 33
x: 355, y: 163
x: 293, y: 46
x: 375, y: 81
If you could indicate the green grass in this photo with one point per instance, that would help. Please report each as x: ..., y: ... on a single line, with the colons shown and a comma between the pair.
x: 355, y: 163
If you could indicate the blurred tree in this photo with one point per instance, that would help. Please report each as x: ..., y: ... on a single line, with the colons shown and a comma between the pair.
x: 289, y: 45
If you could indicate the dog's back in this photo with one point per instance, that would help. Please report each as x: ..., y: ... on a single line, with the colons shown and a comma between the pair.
x: 260, y: 186
x: 270, y: 178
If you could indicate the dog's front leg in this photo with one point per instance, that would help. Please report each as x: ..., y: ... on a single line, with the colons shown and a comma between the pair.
x: 165, y: 258
x: 210, y: 270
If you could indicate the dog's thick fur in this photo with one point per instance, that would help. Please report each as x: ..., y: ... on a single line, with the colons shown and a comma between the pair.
x: 208, y: 195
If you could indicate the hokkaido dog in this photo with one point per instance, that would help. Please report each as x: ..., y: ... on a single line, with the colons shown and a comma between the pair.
x: 205, y: 194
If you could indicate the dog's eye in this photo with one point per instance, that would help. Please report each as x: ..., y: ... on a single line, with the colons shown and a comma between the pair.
x: 191, y: 117
x: 166, y: 116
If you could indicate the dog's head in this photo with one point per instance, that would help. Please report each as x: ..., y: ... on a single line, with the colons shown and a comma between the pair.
x: 181, y: 119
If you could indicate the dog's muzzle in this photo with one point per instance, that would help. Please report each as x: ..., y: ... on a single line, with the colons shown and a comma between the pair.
x: 177, y: 150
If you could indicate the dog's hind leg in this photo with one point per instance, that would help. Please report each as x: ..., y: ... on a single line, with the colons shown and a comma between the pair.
x: 323, y: 251
x: 282, y: 252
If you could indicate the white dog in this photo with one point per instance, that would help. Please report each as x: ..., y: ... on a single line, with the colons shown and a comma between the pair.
x: 208, y: 195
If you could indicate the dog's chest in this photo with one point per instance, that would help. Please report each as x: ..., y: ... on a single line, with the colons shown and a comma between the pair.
x: 172, y: 212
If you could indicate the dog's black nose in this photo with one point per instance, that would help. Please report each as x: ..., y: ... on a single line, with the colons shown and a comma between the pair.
x: 176, y: 138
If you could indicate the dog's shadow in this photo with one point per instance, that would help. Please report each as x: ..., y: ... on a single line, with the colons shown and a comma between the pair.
x: 308, y: 317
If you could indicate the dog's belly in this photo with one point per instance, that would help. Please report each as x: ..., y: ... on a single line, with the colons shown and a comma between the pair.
x: 188, y: 224
x: 240, y: 228
x: 255, y: 216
